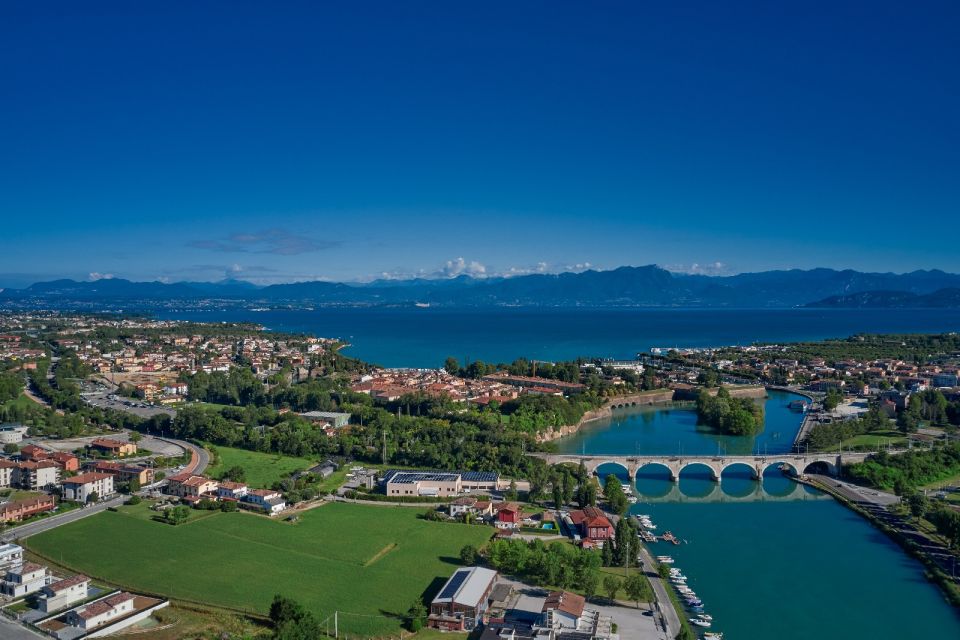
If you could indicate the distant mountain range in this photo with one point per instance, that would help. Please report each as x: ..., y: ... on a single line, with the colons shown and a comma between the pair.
x: 647, y: 286
x: 940, y: 299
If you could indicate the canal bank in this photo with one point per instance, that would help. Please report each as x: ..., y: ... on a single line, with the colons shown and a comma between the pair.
x: 776, y: 559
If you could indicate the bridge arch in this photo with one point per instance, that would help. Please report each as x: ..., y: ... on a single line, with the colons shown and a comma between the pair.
x: 714, y: 471
x: 794, y: 471
x: 654, y: 463
x: 822, y: 467
x: 740, y: 463
x: 594, y: 467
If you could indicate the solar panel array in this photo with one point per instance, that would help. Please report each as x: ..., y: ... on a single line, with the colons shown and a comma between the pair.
x: 408, y: 477
x: 453, y: 585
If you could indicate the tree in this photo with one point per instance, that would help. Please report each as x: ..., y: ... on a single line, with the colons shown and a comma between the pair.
x: 291, y: 621
x: 832, y: 399
x: 228, y: 506
x: 663, y: 571
x: 135, y: 437
x: 636, y: 587
x: 92, y: 497
x: 468, y: 554
x: 235, y: 473
x: 557, y: 495
x: 588, y: 584
x: 918, y: 505
x: 10, y: 448
x: 613, y: 492
x: 452, y: 366
x: 611, y: 585
x: 511, y: 493
x: 416, y: 616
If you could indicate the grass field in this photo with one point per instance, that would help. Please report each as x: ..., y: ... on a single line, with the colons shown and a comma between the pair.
x: 370, y: 563
x: 263, y: 469
x: 875, y: 440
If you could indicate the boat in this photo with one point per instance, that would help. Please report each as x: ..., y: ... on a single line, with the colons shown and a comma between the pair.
x: 713, y: 635
x: 665, y: 559
x: 706, y: 617
x: 632, y: 499
x: 668, y: 536
x: 700, y: 622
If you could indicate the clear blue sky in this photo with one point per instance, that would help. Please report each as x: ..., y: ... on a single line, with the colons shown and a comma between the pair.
x: 285, y: 141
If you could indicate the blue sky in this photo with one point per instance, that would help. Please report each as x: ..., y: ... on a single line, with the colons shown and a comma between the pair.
x: 201, y: 140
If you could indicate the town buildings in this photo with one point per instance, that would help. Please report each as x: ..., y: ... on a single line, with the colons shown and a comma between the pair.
x: 24, y: 580
x: 17, y: 510
x: 438, y: 483
x: 63, y: 593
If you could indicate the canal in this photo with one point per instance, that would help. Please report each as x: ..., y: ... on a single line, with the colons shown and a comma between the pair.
x: 771, y: 559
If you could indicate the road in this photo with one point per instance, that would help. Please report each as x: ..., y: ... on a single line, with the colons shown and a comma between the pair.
x: 39, y: 526
x: 668, y: 613
x: 10, y: 630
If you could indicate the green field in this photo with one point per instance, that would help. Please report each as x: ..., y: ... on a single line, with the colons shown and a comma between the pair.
x: 370, y: 563
x: 263, y: 469
x: 889, y: 438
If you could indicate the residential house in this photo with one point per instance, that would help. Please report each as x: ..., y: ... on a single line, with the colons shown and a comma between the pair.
x: 80, y: 488
x: 437, y: 483
x: 24, y: 580
x: 63, y: 593
x: 101, y: 612
x: 563, y: 609
x: 462, y: 505
x: 66, y: 461
x: 37, y: 476
x: 7, y: 470
x: 461, y: 603
x: 17, y: 510
x: 113, y: 447
x: 185, y: 485
x: 231, y: 490
x: 508, y: 515
x: 33, y: 452
x: 123, y: 472
x: 266, y: 499
x: 592, y: 525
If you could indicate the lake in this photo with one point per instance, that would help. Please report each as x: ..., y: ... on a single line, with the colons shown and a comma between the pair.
x: 413, y: 337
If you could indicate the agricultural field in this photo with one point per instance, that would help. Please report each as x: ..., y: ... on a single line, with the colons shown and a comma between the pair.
x: 370, y: 563
x: 263, y: 469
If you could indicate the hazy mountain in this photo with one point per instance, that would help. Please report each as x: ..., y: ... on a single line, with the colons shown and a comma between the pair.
x: 646, y: 286
x: 940, y: 299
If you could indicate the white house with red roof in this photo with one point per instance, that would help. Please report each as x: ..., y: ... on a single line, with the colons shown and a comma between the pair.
x: 81, y: 487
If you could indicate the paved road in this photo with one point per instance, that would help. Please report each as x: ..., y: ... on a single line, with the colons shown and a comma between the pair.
x: 668, y: 613
x: 10, y: 630
x: 39, y: 526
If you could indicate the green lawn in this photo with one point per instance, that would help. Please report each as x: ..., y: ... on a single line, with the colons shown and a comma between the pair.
x: 874, y: 440
x: 263, y: 469
x: 370, y: 563
x: 21, y: 401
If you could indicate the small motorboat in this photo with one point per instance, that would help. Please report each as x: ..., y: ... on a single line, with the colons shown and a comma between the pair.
x: 713, y: 635
x: 700, y: 622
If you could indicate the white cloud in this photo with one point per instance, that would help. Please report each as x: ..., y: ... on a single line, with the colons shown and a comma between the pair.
x: 696, y: 268
x: 458, y: 267
x: 96, y: 275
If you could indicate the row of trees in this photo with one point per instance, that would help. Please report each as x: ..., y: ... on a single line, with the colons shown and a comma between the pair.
x: 731, y: 416
x: 828, y: 436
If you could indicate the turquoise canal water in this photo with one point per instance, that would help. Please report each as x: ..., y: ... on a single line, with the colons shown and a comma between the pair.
x: 772, y: 559
x: 674, y: 430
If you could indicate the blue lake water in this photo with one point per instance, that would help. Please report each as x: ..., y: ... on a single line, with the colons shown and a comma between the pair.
x: 425, y: 337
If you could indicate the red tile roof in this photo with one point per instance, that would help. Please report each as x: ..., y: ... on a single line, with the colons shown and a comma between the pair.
x: 566, y: 602
x: 85, y: 478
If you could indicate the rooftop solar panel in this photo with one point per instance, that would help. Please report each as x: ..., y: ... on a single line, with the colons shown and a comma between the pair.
x: 453, y: 585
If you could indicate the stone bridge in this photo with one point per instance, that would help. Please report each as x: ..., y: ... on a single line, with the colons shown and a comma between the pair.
x: 796, y: 463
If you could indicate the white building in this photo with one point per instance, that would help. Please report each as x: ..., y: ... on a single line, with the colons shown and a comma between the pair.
x: 64, y: 593
x: 24, y: 580
x: 12, y: 433
x: 231, y: 490
x: 11, y: 557
x: 81, y: 487
x: 7, y: 469
x: 270, y: 501
x: 101, y: 612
